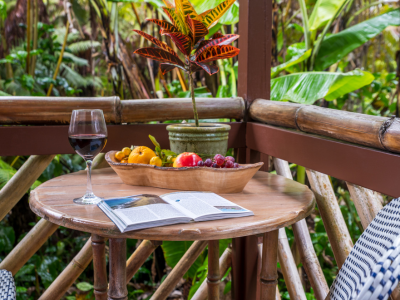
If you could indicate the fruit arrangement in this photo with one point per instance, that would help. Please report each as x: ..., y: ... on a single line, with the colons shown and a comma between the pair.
x: 166, y: 158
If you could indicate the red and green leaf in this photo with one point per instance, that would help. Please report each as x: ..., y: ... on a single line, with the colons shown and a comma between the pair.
x: 196, y: 29
x: 188, y: 9
x: 160, y: 55
x: 183, y: 42
x: 219, y: 41
x: 217, y: 52
x: 176, y: 19
x: 156, y: 42
x: 217, y: 12
x: 168, y: 4
x: 217, y: 35
x: 165, y: 25
x: 210, y: 69
x: 201, y: 16
x: 165, y: 68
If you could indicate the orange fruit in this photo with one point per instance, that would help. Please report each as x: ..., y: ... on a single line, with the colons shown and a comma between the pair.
x: 119, y: 155
x: 156, y: 161
x: 141, y: 155
x: 126, y: 151
x: 124, y: 161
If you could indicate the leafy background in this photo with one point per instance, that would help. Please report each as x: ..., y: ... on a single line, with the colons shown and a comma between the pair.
x: 339, y: 54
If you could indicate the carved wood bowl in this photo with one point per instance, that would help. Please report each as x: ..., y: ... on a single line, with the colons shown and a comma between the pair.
x: 222, y: 181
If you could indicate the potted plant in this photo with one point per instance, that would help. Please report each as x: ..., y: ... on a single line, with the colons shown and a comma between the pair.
x: 187, y: 31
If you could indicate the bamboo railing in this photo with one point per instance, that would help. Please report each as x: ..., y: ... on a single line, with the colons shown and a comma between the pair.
x: 57, y: 110
x: 374, y: 132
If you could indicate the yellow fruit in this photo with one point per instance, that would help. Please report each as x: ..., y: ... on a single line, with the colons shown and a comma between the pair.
x: 126, y: 151
x: 119, y: 155
x: 124, y: 161
x: 141, y: 155
x: 156, y: 161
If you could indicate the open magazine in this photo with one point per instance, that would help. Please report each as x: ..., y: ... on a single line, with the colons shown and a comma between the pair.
x: 146, y: 211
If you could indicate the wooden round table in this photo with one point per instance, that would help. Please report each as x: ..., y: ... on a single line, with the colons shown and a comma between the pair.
x: 276, y: 202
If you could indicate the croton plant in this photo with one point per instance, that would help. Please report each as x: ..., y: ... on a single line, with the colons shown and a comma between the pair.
x: 187, y: 31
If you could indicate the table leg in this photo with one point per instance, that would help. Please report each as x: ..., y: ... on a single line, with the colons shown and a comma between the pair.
x: 117, y: 289
x: 99, y: 267
x: 213, y: 277
x: 269, y: 276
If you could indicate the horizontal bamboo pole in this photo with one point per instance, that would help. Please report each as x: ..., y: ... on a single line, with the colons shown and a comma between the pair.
x: 334, y: 223
x: 177, y: 109
x: 372, y: 131
x: 57, y: 110
x: 304, y: 244
x: 179, y: 270
x: 20, y: 183
x: 54, y: 110
x: 225, y: 261
x: 138, y: 258
x: 28, y: 246
x: 70, y: 274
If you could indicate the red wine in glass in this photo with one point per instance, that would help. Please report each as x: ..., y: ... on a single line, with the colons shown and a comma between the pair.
x: 88, y: 136
x: 88, y: 145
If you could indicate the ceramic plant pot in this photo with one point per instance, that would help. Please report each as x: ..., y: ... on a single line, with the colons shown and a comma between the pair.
x: 207, y: 140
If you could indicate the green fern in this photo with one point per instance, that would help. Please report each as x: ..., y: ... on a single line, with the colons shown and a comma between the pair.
x: 82, y: 46
x: 75, y: 59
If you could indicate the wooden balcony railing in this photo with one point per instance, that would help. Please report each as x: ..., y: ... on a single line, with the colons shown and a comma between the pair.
x: 362, y: 150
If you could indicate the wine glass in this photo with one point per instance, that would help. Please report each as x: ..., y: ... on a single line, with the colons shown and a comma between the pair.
x: 87, y: 134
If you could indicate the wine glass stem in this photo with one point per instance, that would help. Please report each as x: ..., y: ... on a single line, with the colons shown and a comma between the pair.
x: 89, y: 190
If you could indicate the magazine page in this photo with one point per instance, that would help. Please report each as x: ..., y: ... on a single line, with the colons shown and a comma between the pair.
x: 141, y: 211
x: 203, y: 206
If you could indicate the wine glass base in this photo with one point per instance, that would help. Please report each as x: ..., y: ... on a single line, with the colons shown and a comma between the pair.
x: 88, y: 199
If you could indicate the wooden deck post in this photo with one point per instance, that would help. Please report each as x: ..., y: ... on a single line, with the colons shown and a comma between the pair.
x: 254, y: 76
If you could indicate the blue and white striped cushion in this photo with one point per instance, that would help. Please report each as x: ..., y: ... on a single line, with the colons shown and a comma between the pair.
x: 7, y: 286
x: 371, y: 271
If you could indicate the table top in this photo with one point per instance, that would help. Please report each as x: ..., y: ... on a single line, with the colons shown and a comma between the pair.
x: 276, y: 202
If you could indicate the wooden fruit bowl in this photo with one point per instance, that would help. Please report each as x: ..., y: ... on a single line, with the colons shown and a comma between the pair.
x: 222, y: 181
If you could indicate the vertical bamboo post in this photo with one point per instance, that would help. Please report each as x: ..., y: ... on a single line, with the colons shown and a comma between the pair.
x: 19, y: 184
x: 28, y: 246
x: 179, y: 270
x: 225, y: 262
x: 117, y: 288
x: 99, y: 267
x: 304, y: 244
x: 334, y: 223
x: 213, y: 270
x: 289, y: 268
x: 137, y: 259
x: 268, y: 275
x: 70, y: 274
x: 260, y: 250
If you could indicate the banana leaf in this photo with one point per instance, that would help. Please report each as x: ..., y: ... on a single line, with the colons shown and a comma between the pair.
x: 4, y: 94
x: 293, y: 61
x: 173, y: 252
x: 323, y: 11
x: 339, y: 45
x: 308, y: 87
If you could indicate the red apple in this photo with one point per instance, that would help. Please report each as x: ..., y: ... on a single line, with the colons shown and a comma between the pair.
x: 186, y: 159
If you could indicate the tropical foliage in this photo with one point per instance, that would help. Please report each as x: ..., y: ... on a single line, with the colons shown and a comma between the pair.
x: 339, y: 54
